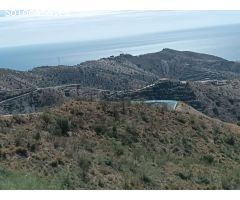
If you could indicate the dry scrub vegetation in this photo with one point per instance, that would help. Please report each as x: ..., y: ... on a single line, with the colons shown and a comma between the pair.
x: 107, y: 145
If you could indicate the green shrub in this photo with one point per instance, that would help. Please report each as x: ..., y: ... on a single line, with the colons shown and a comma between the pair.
x: 144, y: 117
x: 64, y: 125
x: 37, y: 136
x: 123, y: 107
x: 114, y: 131
x: 67, y: 184
x: 146, y: 179
x: 215, y: 111
x: 22, y: 152
x: 76, y: 112
x: 100, y: 129
x: 119, y: 151
x: 84, y: 163
x: 184, y: 176
x: 209, y: 159
x: 118, y: 148
x: 108, y: 162
x: 130, y: 136
x: 116, y: 114
x: 187, y: 144
x: 231, y: 101
x: 47, y: 117
x: 202, y: 180
x: 100, y: 183
x: 18, y: 119
x: 230, y: 140
x: 181, y: 120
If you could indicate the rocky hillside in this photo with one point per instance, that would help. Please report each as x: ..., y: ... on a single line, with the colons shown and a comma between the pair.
x: 31, y: 91
x: 38, y: 99
x: 184, y: 65
x: 125, y: 71
x: 90, y: 145
x: 218, y: 99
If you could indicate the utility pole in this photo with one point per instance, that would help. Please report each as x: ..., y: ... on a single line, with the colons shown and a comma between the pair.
x: 59, y: 61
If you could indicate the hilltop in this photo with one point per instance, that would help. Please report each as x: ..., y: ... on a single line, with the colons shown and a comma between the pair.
x: 116, y: 145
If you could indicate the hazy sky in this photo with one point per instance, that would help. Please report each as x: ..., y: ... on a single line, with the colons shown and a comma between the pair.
x: 22, y: 30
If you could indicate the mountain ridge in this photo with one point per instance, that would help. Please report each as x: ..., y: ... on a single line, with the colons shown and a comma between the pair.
x: 31, y: 91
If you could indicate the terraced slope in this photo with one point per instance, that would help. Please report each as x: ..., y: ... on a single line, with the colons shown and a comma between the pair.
x: 218, y: 99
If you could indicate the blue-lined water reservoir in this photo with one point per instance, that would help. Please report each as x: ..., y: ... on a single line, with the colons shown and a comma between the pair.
x: 170, y: 104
